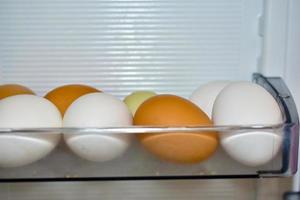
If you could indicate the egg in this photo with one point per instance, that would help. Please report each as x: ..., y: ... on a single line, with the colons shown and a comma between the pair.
x: 64, y: 96
x: 205, y: 95
x: 27, y: 111
x: 8, y: 90
x: 135, y: 99
x: 171, y: 110
x: 97, y: 110
x: 245, y: 103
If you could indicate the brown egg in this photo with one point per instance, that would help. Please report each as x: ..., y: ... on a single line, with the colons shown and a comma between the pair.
x: 8, y: 90
x: 64, y: 96
x: 171, y: 110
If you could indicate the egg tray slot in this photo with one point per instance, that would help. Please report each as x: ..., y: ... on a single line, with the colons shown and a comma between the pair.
x: 137, y: 164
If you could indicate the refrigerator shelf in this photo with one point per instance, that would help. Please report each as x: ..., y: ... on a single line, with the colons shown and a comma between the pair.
x: 148, y: 129
x: 138, y: 164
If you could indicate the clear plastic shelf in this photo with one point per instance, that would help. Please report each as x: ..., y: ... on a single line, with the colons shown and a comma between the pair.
x: 138, y: 164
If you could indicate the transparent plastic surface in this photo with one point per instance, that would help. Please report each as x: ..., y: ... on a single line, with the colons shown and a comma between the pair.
x: 137, y: 163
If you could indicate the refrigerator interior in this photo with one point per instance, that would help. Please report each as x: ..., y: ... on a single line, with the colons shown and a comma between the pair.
x: 121, y: 46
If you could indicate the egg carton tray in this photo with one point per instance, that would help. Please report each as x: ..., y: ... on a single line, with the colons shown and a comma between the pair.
x: 138, y: 164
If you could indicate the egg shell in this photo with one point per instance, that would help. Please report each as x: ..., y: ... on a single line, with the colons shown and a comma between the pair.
x: 205, y: 95
x: 135, y: 99
x: 64, y: 96
x: 245, y: 103
x: 97, y: 110
x: 171, y: 110
x: 8, y: 90
x: 27, y: 111
x: 253, y: 148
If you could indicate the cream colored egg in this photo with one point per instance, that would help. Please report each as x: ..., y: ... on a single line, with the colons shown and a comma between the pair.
x: 27, y: 111
x: 97, y: 110
x: 135, y: 99
x: 245, y: 103
x: 204, y: 96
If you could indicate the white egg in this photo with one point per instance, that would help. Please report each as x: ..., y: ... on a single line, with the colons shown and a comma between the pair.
x: 245, y: 103
x: 205, y: 95
x: 97, y: 110
x: 27, y: 111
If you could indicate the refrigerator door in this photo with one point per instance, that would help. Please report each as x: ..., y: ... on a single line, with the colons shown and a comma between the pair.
x: 41, y: 38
